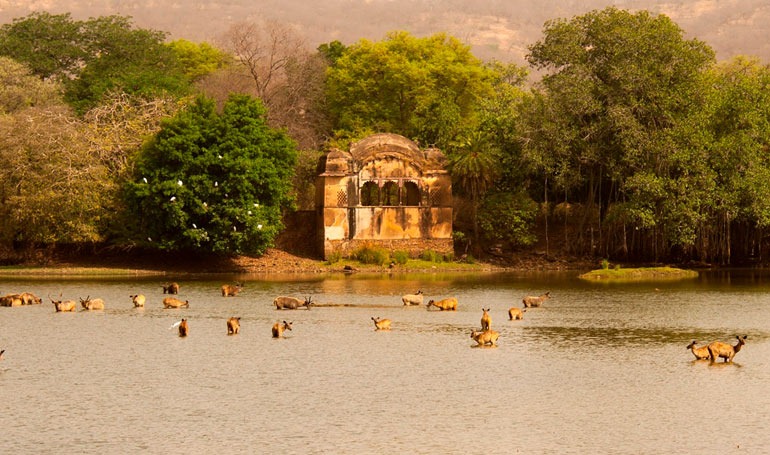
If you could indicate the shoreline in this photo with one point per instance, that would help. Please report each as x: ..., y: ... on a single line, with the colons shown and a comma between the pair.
x: 273, y: 262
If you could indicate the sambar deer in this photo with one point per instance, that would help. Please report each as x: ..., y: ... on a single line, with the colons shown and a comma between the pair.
x: 170, y: 288
x: 717, y: 349
x: 173, y: 302
x: 233, y: 326
x: 231, y: 290
x: 381, y: 324
x: 91, y: 304
x: 449, y: 304
x: 487, y: 337
x: 138, y: 300
x: 278, y: 329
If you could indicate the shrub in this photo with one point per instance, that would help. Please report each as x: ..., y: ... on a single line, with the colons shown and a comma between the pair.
x: 371, y: 255
x: 334, y: 258
x: 510, y: 218
x: 400, y: 257
x: 431, y: 256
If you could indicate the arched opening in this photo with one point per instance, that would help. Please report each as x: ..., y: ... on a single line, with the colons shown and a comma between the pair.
x: 390, y: 194
x: 370, y: 194
x: 411, y: 194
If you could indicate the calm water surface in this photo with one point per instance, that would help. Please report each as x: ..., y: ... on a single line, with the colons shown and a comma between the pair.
x: 597, y: 369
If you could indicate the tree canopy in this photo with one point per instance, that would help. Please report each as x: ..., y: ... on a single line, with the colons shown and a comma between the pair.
x: 422, y: 88
x: 95, y: 58
x: 618, y: 86
x: 214, y: 182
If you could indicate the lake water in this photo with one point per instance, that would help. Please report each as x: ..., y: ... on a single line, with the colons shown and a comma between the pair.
x: 598, y: 369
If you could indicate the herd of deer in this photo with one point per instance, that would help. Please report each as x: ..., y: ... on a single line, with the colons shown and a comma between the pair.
x: 485, y: 337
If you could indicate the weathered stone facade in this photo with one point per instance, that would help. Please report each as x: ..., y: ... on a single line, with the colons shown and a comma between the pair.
x: 384, y: 191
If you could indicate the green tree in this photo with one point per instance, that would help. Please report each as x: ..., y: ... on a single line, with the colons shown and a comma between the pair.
x: 423, y: 88
x: 332, y: 51
x: 508, y: 218
x: 214, y: 182
x: 125, y: 59
x: 50, y: 45
x: 617, y: 85
x: 199, y: 59
x: 474, y: 165
x: 95, y: 58
x: 733, y: 129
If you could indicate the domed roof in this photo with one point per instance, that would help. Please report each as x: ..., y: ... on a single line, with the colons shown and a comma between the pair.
x: 337, y: 162
x: 386, y: 144
x: 378, y: 146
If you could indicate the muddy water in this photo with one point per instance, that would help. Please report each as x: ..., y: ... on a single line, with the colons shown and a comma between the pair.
x: 597, y: 369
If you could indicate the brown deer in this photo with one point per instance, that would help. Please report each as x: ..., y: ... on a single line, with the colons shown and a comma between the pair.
x: 717, y: 349
x: 11, y: 300
x: 278, y: 329
x: 291, y: 303
x: 449, y: 304
x: 184, y: 328
x: 138, y: 300
x: 701, y: 353
x: 92, y: 304
x: 487, y: 337
x: 516, y: 313
x: 532, y: 301
x: 381, y: 324
x: 170, y: 288
x: 233, y: 326
x: 27, y: 298
x: 173, y: 302
x: 63, y: 306
x: 486, y: 320
x: 229, y: 290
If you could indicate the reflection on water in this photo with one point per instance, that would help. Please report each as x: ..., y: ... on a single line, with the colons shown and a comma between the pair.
x: 598, y: 369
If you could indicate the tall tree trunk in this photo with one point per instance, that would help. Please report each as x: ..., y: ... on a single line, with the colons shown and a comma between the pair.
x: 545, y: 201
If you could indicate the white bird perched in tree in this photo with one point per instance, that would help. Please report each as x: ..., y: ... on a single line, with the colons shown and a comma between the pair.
x: 216, y: 183
x: 179, y: 182
x: 194, y: 226
x: 259, y: 226
x: 145, y: 179
x: 173, y: 198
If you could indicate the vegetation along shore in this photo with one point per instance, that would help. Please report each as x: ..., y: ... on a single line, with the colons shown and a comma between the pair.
x: 630, y: 142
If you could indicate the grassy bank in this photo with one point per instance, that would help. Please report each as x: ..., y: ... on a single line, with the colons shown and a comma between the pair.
x: 639, y: 274
x: 12, y: 271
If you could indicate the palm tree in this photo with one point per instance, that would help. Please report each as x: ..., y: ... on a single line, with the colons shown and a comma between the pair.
x: 474, y: 165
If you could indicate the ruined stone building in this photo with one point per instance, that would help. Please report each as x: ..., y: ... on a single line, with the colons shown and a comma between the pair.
x: 385, y: 191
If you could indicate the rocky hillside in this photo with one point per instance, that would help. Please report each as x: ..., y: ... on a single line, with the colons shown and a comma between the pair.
x: 499, y: 29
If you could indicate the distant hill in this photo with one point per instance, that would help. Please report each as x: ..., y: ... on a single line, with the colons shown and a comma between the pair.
x: 499, y: 29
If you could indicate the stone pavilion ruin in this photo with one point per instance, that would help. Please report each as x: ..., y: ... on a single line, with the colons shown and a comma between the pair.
x: 387, y: 192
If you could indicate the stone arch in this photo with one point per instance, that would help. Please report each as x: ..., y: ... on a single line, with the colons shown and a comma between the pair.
x: 389, y: 193
x: 410, y: 195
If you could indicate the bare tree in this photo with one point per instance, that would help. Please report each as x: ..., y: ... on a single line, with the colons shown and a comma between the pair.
x: 265, y: 50
x: 283, y: 73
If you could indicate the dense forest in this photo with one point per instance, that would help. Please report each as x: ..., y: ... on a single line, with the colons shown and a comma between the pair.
x: 633, y: 144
